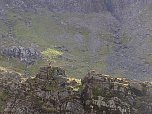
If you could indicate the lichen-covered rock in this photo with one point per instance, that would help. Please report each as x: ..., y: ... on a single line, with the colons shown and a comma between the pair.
x: 52, y: 92
x: 105, y: 94
x: 47, y: 93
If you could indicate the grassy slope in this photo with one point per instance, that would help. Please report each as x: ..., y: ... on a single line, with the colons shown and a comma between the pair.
x: 43, y: 31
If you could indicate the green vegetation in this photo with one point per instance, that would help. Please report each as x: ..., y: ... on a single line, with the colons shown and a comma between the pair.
x: 15, y: 65
x: 46, y: 30
x: 97, y: 92
x: 51, y: 53
x: 148, y: 59
x: 50, y: 110
x: 3, y: 28
x: 39, y: 32
x: 125, y: 38
x: 3, y: 98
x: 12, y: 63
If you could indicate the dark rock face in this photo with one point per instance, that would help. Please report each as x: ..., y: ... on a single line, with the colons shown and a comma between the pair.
x: 26, y: 55
x: 50, y: 92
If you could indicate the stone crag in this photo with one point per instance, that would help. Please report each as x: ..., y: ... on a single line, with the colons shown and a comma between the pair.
x: 52, y: 92
x: 26, y: 55
x: 110, y: 95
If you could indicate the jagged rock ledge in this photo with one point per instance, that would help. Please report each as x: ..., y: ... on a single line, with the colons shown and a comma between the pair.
x: 52, y: 92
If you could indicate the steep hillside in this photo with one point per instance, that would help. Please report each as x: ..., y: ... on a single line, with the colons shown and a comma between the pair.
x: 110, y: 36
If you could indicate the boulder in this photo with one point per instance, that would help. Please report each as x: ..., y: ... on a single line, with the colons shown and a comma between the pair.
x: 26, y: 55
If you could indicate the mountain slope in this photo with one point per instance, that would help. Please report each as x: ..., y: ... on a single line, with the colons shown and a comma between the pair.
x: 111, y: 36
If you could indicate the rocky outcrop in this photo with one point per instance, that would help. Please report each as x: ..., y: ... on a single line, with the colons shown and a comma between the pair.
x: 26, y: 55
x: 48, y: 93
x: 103, y: 94
x: 52, y: 92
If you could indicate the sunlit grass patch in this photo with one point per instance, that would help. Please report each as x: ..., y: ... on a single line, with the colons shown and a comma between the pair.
x: 51, y: 53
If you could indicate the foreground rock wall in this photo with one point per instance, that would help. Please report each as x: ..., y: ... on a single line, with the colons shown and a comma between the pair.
x: 52, y: 92
x: 103, y: 93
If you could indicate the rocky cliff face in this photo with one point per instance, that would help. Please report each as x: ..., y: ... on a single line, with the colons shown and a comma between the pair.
x: 116, y: 7
x: 52, y: 92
